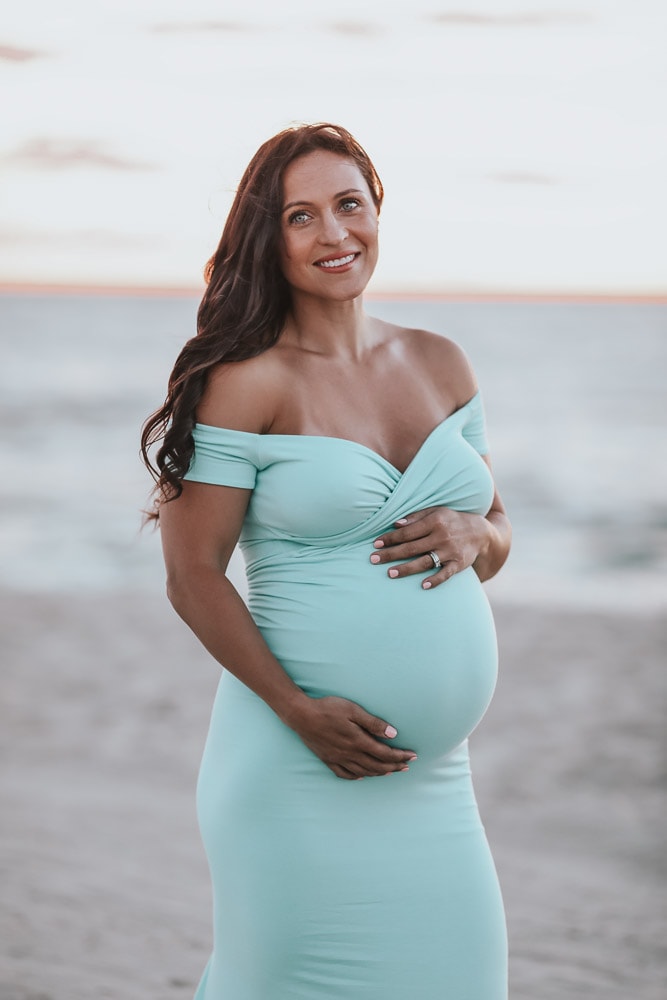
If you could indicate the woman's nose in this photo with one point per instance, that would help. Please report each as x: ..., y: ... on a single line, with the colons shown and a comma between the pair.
x: 333, y: 230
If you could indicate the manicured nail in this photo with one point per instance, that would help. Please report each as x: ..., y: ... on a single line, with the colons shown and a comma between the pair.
x: 393, y: 573
x: 426, y: 585
x: 402, y: 520
x: 375, y: 559
x: 391, y: 732
x: 414, y: 757
x: 378, y: 544
x: 404, y: 769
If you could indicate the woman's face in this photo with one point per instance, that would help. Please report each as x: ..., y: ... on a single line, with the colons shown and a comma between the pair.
x: 328, y: 227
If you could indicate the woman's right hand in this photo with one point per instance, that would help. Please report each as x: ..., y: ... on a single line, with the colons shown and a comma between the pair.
x: 348, y: 739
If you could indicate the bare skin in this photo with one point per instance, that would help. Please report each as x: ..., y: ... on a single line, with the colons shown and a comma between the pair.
x: 335, y: 372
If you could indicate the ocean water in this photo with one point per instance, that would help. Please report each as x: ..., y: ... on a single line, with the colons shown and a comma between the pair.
x: 576, y: 407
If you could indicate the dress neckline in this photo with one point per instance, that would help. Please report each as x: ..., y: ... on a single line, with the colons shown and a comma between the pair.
x: 351, y: 441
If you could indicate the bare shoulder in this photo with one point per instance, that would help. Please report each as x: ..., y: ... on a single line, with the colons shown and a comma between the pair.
x: 443, y: 361
x: 241, y: 395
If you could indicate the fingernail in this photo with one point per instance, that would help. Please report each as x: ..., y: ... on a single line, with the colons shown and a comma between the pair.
x: 393, y: 573
x: 391, y: 732
x: 426, y: 585
x: 404, y: 769
x: 378, y: 544
x: 414, y: 757
x: 402, y: 520
x: 375, y: 559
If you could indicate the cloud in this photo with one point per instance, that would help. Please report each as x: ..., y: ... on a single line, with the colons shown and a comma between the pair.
x: 65, y: 154
x: 521, y: 177
x: 520, y: 19
x: 187, y: 27
x: 73, y: 239
x: 357, y: 29
x: 12, y: 53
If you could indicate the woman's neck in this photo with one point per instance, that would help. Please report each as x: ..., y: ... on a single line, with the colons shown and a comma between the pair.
x: 323, y: 326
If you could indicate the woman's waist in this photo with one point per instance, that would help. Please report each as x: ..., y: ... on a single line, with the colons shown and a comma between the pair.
x: 364, y: 601
x: 272, y: 568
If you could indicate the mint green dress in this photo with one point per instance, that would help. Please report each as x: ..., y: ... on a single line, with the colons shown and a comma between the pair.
x: 326, y: 889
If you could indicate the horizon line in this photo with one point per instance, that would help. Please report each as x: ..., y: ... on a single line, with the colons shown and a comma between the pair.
x: 407, y: 295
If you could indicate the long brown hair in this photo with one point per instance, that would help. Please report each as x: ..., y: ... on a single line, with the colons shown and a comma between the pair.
x: 247, y: 299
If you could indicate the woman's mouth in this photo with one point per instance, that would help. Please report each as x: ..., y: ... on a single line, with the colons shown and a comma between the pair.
x: 336, y: 263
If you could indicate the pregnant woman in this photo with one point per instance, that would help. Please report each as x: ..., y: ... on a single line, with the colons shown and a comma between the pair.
x: 348, y: 457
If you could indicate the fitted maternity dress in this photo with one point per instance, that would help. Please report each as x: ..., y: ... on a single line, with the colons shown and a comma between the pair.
x: 327, y: 889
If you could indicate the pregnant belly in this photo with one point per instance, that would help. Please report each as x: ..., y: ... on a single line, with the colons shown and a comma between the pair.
x: 426, y: 661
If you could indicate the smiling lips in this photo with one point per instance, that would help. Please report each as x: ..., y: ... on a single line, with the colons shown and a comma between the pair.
x: 337, y: 263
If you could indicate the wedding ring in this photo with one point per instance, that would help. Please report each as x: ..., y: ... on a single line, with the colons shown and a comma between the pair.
x: 436, y: 560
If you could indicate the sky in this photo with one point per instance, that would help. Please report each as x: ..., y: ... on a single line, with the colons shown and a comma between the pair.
x: 522, y: 147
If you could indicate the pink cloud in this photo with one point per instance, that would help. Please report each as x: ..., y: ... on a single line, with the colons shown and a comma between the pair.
x: 187, y: 27
x: 73, y: 239
x: 527, y: 18
x: 356, y: 29
x: 65, y: 154
x: 12, y: 53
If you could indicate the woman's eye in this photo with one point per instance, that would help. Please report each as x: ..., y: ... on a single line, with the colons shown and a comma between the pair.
x: 298, y: 217
x: 349, y: 204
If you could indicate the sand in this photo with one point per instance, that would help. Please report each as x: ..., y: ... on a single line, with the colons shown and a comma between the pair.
x: 105, y: 888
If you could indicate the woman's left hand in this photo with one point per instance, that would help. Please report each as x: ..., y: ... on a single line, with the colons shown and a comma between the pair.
x: 456, y: 537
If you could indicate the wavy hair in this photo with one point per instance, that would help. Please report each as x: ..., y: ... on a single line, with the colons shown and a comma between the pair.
x: 247, y: 299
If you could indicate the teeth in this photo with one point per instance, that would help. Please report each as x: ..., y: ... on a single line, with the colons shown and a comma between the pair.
x: 337, y: 263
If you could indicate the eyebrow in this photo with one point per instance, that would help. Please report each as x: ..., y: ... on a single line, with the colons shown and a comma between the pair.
x: 341, y: 194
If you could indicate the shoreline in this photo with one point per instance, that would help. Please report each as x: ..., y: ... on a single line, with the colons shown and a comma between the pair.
x: 464, y: 295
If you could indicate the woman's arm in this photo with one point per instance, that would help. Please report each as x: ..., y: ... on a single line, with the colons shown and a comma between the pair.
x: 493, y: 551
x: 199, y: 531
x: 460, y: 540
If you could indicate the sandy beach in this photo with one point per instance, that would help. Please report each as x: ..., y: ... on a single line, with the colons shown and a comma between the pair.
x: 104, y: 714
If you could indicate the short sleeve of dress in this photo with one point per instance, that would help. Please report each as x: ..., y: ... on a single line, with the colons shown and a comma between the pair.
x: 223, y: 457
x: 474, y: 429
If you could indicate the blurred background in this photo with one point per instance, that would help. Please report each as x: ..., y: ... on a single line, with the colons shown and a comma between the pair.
x: 523, y: 155
x: 523, y: 159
